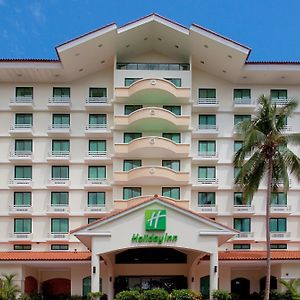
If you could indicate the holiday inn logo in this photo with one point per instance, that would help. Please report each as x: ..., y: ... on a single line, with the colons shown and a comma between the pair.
x: 155, y: 219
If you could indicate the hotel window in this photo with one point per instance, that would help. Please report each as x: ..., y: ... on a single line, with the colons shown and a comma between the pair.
x: 171, y: 192
x: 175, y: 81
x: 22, y: 199
x: 130, y: 136
x: 171, y: 164
x: 22, y: 225
x: 23, y: 172
x: 242, y: 224
x: 175, y: 109
x: 207, y: 93
x: 96, y: 199
x: 206, y: 199
x: 279, y: 199
x: 59, y: 198
x: 24, y: 92
x: 92, y: 220
x: 61, y: 120
x: 23, y: 146
x: 60, y: 172
x: 59, y: 225
x: 278, y: 95
x: 61, y: 93
x: 131, y: 192
x: 175, y: 137
x: 97, y: 120
x: 97, y: 172
x: 241, y: 94
x: 278, y: 225
x: 207, y: 121
x: 97, y: 146
x: 241, y: 246
x: 130, y: 81
x: 23, y: 247
x: 238, y: 199
x: 237, y: 146
x: 59, y: 247
x: 241, y: 118
x: 278, y: 246
x: 130, y: 164
x: 206, y: 172
x: 23, y: 119
x: 128, y: 109
x: 236, y: 172
x: 207, y: 148
x: 60, y: 146
x: 97, y: 92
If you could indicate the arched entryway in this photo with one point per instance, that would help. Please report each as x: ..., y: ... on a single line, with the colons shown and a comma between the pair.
x: 240, y: 287
x: 262, y: 283
x: 30, y: 285
x: 54, y: 288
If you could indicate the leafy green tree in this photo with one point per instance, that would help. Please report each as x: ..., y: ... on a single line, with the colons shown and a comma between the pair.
x: 266, y: 141
x: 8, y: 289
x: 291, y: 287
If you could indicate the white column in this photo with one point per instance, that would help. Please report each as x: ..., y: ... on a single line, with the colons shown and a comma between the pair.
x: 213, y: 273
x: 95, y: 273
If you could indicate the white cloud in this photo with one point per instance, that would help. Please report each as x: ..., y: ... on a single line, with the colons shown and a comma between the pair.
x: 36, y: 11
x: 2, y: 2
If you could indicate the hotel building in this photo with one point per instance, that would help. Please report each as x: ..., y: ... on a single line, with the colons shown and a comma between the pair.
x: 116, y: 164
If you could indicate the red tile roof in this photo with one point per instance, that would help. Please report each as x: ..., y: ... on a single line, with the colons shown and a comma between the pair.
x: 52, y: 256
x: 259, y: 255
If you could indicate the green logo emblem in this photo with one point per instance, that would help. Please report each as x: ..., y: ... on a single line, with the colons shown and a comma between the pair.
x: 155, y: 219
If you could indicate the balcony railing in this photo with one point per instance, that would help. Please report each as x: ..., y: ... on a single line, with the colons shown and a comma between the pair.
x: 243, y: 101
x: 96, y: 126
x: 20, y: 154
x: 208, y: 101
x: 59, y: 100
x: 21, y: 100
x: 245, y: 235
x: 208, y: 127
x: 20, y: 209
x: 21, y: 127
x: 208, y: 154
x: 95, y: 208
x: 59, y: 182
x: 58, y: 208
x: 280, y: 208
x: 21, y: 236
x: 282, y: 101
x: 208, y: 181
x: 57, y: 154
x: 154, y: 66
x: 96, y: 100
x: 207, y: 208
x: 59, y: 236
x: 59, y: 126
x: 280, y: 235
x: 22, y: 182
x: 243, y: 208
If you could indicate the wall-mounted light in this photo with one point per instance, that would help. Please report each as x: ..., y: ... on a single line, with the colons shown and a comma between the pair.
x: 215, y: 269
x: 94, y: 270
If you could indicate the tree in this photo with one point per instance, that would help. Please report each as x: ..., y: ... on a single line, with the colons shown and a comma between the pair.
x: 8, y: 290
x: 291, y: 287
x: 266, y: 142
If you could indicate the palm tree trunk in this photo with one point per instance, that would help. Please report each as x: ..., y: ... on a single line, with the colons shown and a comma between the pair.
x: 268, y: 244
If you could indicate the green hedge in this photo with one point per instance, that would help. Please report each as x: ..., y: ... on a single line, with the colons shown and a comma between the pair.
x: 184, y: 295
x: 155, y: 294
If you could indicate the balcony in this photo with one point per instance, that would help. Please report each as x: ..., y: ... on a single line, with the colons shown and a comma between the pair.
x: 243, y: 104
x: 20, y: 210
x: 93, y: 130
x: 22, y: 183
x: 151, y: 175
x: 245, y: 236
x: 280, y: 101
x: 20, y: 236
x: 243, y: 209
x: 96, y: 183
x: 208, y: 130
x: 57, y: 236
x: 208, y: 181
x: 21, y: 102
x: 59, y: 156
x: 59, y: 129
x: 21, y: 129
x: 59, y: 102
x: 152, y: 147
x: 280, y: 235
x: 20, y: 156
x: 155, y: 90
x: 152, y: 119
x: 208, y: 209
x: 280, y: 209
x: 95, y: 156
x: 95, y: 103
x: 204, y: 104
x: 206, y: 156
x: 93, y: 208
x: 59, y: 183
x: 58, y: 209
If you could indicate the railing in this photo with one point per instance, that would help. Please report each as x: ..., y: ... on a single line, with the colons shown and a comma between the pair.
x: 96, y: 207
x: 207, y: 180
x: 208, y: 154
x: 243, y: 208
x: 207, y: 208
x: 59, y: 126
x: 59, y: 99
x: 287, y: 128
x: 21, y: 154
x: 97, y: 153
x: 20, y: 208
x: 245, y: 235
x: 96, y: 126
x: 20, y: 181
x: 282, y: 101
x: 21, y: 126
x: 208, y: 127
x: 59, y: 181
x: 59, y: 153
x: 208, y: 101
x: 58, y: 208
x: 243, y: 101
x: 21, y: 99
x: 95, y: 100
x: 280, y: 235
x: 21, y: 235
x: 97, y: 181
x: 280, y: 208
x: 59, y: 235
x: 154, y: 66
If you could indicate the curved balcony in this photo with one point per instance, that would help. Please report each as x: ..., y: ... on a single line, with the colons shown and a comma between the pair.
x: 152, y: 147
x: 153, y: 91
x: 151, y: 175
x: 152, y: 118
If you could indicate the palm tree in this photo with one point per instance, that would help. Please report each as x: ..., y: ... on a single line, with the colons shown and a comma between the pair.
x: 266, y: 141
x: 8, y: 290
x: 291, y: 287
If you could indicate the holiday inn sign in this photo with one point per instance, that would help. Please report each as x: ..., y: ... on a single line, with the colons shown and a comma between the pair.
x: 155, y: 220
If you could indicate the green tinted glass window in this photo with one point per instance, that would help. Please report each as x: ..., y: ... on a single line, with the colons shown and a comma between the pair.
x: 128, y: 109
x: 97, y: 119
x: 207, y: 93
x: 206, y: 172
x: 130, y: 164
x: 130, y: 136
x: 237, y: 145
x: 61, y: 119
x: 63, y: 92
x: 130, y: 81
x: 22, y: 225
x: 207, y: 147
x: 59, y: 247
x: 278, y: 225
x: 96, y: 199
x: 171, y: 192
x: 172, y: 164
x: 242, y: 224
x: 242, y: 93
x: 22, y: 198
x: 24, y: 92
x: 175, y: 109
x: 207, y: 121
x: 60, y: 172
x: 23, y: 172
x: 59, y: 225
x: 23, y: 119
x: 175, y: 81
x: 131, y: 192
x: 61, y: 145
x: 279, y: 199
x: 23, y: 145
x: 24, y: 247
x: 175, y: 137
x: 97, y: 92
x: 97, y: 172
x: 279, y: 246
x: 206, y: 198
x: 241, y: 118
x: 278, y: 94
x: 97, y: 145
x: 238, y: 199
x: 241, y: 246
x: 59, y: 198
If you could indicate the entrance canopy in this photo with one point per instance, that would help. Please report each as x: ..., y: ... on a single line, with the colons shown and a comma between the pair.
x: 155, y: 222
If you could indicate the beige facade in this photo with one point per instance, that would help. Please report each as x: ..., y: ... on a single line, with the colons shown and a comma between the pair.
x: 126, y: 113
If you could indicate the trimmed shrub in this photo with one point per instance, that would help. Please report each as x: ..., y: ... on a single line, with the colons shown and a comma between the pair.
x: 128, y: 295
x: 221, y: 295
x: 185, y: 295
x: 155, y: 294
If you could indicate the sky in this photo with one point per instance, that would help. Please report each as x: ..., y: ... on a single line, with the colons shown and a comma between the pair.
x: 32, y: 28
